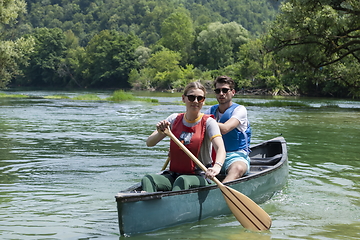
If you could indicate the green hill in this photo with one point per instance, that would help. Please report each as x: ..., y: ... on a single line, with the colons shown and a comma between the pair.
x: 143, y: 18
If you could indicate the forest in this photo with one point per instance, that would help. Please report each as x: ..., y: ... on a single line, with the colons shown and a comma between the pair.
x: 288, y: 47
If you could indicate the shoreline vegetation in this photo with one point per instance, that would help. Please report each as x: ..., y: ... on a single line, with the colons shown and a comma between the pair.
x: 121, y: 95
x: 117, y: 96
x: 163, y: 45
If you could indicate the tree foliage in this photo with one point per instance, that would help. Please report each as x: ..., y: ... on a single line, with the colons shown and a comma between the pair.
x: 95, y: 44
x: 13, y: 53
x: 49, y: 50
x: 10, y: 10
x: 178, y: 33
x: 322, y: 40
x: 144, y: 18
x: 163, y: 71
x: 218, y: 44
x: 311, y: 48
x: 109, y: 58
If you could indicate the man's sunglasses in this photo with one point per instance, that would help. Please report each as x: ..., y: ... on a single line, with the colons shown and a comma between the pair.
x: 224, y: 90
x: 193, y: 97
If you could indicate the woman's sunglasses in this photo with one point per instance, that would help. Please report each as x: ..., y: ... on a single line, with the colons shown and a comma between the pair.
x: 193, y: 97
x: 224, y: 90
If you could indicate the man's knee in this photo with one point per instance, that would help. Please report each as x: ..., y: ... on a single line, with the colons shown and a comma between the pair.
x: 238, y: 167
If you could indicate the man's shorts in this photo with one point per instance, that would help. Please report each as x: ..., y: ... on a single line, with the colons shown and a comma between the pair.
x: 232, y: 157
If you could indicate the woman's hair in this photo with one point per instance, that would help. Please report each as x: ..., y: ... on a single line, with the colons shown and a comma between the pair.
x: 225, y: 80
x: 194, y: 85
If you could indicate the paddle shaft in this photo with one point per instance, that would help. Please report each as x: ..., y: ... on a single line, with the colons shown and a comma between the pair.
x: 165, y: 164
x: 190, y: 154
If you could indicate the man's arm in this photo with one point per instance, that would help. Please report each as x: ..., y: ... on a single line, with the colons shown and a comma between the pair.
x: 229, y: 125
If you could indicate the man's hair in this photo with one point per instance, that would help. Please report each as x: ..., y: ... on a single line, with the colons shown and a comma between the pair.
x: 226, y: 80
x: 194, y: 85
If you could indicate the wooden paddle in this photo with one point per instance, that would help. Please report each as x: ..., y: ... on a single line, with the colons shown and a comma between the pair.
x: 165, y: 164
x: 247, y: 212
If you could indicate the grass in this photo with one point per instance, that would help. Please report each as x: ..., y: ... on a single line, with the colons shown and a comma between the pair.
x: 3, y: 95
x: 117, y: 96
x: 57, y: 97
x: 87, y: 97
x: 120, y: 95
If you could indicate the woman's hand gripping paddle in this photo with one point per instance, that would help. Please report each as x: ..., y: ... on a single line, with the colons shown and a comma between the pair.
x: 247, y: 212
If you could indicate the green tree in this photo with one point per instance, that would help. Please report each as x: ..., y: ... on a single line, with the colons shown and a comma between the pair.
x: 142, y: 55
x: 150, y: 27
x: 141, y: 80
x: 165, y: 68
x: 259, y: 67
x: 163, y: 71
x: 10, y: 10
x: 178, y: 33
x: 317, y: 37
x: 165, y: 60
x: 12, y: 53
x: 109, y: 58
x: 70, y: 65
x: 50, y: 49
x: 217, y: 46
x: 143, y: 17
x: 188, y: 74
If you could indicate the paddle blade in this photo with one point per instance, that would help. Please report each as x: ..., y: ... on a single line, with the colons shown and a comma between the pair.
x: 246, y: 211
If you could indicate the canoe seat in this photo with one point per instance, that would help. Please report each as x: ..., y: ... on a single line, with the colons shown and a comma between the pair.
x: 266, y: 160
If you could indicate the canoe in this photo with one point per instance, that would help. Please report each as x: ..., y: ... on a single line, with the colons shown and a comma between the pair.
x: 145, y: 212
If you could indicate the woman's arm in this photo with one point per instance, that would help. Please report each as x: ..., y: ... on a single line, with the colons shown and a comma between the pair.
x: 158, y: 134
x: 154, y: 138
x: 219, y: 148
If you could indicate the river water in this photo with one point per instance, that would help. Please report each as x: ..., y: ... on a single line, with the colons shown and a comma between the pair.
x: 62, y: 161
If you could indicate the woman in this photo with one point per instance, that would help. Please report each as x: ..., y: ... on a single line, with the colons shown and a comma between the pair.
x: 199, y: 133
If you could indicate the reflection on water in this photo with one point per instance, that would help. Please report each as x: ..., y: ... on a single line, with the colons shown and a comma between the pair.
x: 62, y: 162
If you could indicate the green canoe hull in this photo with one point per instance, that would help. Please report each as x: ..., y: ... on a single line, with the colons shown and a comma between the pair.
x: 146, y: 212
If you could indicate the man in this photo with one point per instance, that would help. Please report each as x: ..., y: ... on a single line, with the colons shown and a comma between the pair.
x: 234, y: 127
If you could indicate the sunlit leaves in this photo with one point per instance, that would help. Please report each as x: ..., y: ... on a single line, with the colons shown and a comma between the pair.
x: 10, y: 10
x: 218, y: 44
x: 319, y: 34
x: 178, y: 33
x: 163, y: 71
x: 13, y: 54
x: 109, y: 58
